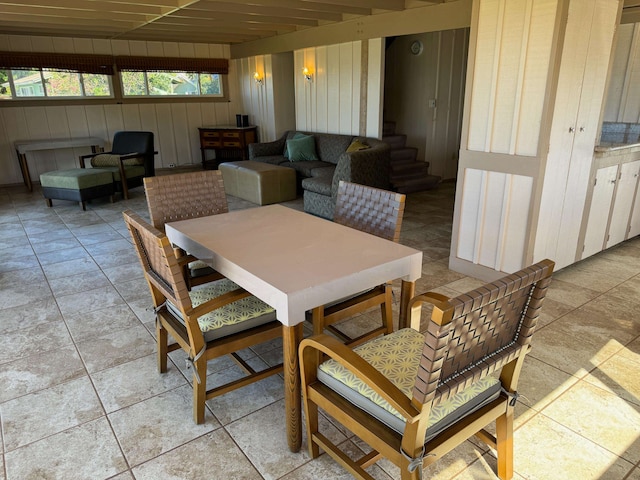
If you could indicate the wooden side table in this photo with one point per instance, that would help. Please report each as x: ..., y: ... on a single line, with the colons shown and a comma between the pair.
x: 229, y: 142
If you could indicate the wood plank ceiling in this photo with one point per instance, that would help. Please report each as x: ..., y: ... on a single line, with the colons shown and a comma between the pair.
x: 207, y: 21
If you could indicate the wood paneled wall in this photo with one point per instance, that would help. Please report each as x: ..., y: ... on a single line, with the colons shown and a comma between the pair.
x: 175, y: 125
x: 623, y: 94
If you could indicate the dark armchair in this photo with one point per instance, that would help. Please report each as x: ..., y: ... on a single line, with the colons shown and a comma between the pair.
x: 130, y: 160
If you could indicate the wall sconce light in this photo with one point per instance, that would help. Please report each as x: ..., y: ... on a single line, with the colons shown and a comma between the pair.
x: 308, y: 76
x: 258, y: 78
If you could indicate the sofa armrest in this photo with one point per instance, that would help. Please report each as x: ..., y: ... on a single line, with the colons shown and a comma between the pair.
x: 267, y: 148
x: 367, y: 167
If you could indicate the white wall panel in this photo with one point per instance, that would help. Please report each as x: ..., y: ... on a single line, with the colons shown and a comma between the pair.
x: 494, y: 213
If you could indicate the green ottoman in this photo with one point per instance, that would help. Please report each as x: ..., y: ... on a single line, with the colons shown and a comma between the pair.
x: 77, y: 184
x: 259, y: 182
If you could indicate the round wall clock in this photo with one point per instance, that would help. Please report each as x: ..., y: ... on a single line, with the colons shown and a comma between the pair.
x: 416, y: 47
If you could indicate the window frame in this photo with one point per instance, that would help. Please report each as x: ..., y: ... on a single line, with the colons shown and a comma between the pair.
x: 111, y: 69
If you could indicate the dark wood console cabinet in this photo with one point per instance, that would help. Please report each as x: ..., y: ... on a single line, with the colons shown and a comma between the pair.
x: 229, y: 142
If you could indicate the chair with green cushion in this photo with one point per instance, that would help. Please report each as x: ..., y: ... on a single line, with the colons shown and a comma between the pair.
x: 208, y: 322
x: 414, y: 396
x: 130, y: 160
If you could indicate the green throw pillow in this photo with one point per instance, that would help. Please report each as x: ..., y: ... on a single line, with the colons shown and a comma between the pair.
x: 302, y: 149
x: 296, y: 136
x: 356, y: 146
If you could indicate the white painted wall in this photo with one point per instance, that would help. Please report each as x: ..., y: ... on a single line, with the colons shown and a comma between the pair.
x: 175, y: 125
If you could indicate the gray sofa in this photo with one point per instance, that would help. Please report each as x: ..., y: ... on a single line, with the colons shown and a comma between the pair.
x: 319, y: 179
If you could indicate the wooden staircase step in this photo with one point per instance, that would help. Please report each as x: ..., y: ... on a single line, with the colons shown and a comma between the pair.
x: 405, y: 169
x: 395, y: 141
x: 406, y: 153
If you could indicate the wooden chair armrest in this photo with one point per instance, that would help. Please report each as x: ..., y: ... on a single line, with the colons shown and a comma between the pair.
x: 359, y: 367
x: 130, y: 155
x: 90, y: 155
x: 221, y: 301
x: 435, y: 299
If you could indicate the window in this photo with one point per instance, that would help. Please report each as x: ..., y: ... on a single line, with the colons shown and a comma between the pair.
x: 21, y: 84
x: 32, y: 76
x: 170, y: 83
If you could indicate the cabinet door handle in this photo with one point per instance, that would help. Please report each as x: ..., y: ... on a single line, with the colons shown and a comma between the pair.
x: 571, y: 129
x: 582, y: 129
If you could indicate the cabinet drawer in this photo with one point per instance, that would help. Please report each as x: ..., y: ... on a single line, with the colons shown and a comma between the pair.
x: 231, y: 143
x: 211, y: 143
x: 231, y: 134
x: 210, y: 134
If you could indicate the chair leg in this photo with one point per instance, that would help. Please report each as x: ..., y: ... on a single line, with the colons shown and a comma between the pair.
x: 49, y: 203
x: 504, y: 440
x: 199, y: 390
x: 162, y: 340
x: 311, y: 418
x: 386, y: 309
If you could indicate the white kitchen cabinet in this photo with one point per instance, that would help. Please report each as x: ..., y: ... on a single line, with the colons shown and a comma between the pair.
x: 614, y: 213
x: 605, y: 185
x: 626, y: 185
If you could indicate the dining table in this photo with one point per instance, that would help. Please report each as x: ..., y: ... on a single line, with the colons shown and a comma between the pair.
x: 294, y: 261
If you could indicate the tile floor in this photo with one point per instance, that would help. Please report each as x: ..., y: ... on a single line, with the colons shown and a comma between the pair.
x: 80, y: 397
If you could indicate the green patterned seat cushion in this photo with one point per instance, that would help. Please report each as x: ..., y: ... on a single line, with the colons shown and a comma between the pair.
x: 235, y: 317
x: 109, y: 160
x: 198, y: 268
x: 75, y: 178
x: 397, y: 356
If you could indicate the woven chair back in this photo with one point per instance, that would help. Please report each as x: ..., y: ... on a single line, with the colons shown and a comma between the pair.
x: 159, y: 263
x: 481, y: 331
x: 372, y: 210
x: 185, y: 195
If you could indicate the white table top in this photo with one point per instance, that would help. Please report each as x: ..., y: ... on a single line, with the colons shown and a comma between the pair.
x: 23, y: 146
x: 292, y: 260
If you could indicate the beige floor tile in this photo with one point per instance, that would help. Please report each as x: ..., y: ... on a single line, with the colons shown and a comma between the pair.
x: 579, y: 341
x: 157, y: 425
x: 262, y: 437
x: 87, y: 451
x: 570, y: 294
x: 89, y: 300
x: 540, y: 384
x: 118, y: 347
x: 23, y: 287
x: 78, y: 283
x: 544, y: 449
x: 39, y: 371
x: 69, y: 268
x: 133, y: 382
x: 244, y: 401
x: 586, y: 278
x: 37, y: 313
x: 600, y: 416
x: 33, y: 340
x: 101, y: 321
x: 38, y: 415
x: 213, y: 455
x: 618, y: 375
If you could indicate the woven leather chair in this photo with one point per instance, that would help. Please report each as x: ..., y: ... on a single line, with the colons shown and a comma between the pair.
x: 378, y: 212
x: 211, y: 321
x: 182, y: 196
x: 413, y: 397
x: 130, y: 160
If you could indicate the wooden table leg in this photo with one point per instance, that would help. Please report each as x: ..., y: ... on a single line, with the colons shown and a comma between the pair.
x: 291, y: 337
x: 24, y: 168
x: 407, y: 291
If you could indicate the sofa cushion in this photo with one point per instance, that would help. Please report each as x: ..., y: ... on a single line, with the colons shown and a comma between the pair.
x: 273, y: 160
x: 356, y: 146
x: 321, y: 184
x: 330, y: 146
x: 302, y: 149
x: 305, y: 168
x: 292, y: 136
